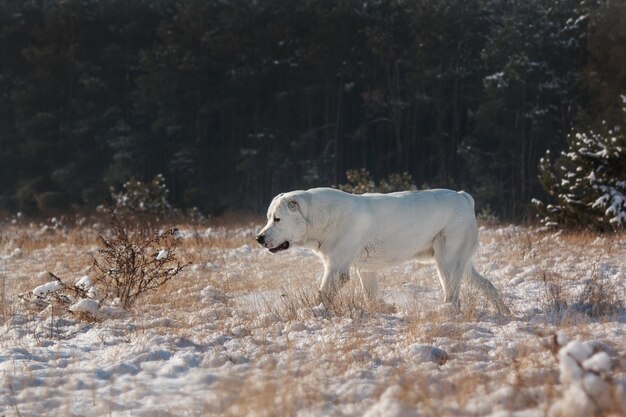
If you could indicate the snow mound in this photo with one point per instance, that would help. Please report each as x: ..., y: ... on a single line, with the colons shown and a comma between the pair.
x: 589, y: 387
x: 426, y: 353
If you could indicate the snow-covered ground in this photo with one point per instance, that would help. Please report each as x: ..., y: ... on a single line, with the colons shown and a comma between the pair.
x: 238, y: 334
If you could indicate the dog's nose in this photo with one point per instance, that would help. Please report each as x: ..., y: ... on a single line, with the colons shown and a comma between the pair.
x: 260, y: 239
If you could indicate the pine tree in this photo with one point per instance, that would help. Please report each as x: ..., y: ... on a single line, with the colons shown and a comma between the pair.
x: 587, y: 182
x: 531, y: 56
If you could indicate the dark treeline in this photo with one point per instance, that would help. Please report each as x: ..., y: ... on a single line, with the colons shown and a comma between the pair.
x: 235, y: 101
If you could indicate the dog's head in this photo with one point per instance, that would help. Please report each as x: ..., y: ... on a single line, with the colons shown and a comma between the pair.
x: 286, y: 222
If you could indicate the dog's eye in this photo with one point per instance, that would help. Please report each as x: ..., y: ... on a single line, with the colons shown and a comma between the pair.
x: 276, y: 219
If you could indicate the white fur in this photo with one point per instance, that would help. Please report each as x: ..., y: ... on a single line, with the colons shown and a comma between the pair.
x: 373, y: 231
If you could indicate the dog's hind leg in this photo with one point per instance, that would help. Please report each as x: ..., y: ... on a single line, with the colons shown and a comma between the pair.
x: 369, y: 284
x: 453, y: 254
x: 487, y: 288
x: 451, y: 258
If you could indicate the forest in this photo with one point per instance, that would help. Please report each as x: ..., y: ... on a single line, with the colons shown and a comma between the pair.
x: 234, y: 101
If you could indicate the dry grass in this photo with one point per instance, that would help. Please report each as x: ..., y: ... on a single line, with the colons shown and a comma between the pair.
x: 270, y: 302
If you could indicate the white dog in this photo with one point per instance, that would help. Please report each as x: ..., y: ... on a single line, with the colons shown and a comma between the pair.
x: 374, y: 231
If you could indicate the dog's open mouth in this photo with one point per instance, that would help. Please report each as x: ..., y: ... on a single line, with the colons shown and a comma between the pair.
x: 282, y: 246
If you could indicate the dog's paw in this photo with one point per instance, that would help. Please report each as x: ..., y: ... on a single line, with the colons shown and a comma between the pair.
x: 449, y: 309
x: 386, y: 308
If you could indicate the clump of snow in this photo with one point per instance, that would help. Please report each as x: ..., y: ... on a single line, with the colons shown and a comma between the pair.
x: 561, y: 339
x: 589, y: 387
x: 211, y: 295
x: 84, y: 282
x: 499, y: 80
x: 47, y: 288
x: 614, y: 201
x: 85, y: 305
x: 600, y: 362
x: 389, y: 406
x: 569, y: 359
x: 56, y: 292
x: 162, y: 254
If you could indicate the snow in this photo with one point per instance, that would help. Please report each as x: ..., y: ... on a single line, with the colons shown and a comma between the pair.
x: 591, y: 174
x: 600, y: 362
x: 390, y: 406
x: 425, y: 353
x: 85, y: 305
x: 84, y: 282
x: 570, y: 358
x: 577, y: 350
x: 615, y: 203
x: 498, y: 79
x: 242, y: 334
x: 589, y: 388
x: 162, y: 254
x: 48, y: 287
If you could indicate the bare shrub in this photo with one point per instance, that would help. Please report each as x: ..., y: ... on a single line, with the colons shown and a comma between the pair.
x: 599, y: 297
x: 58, y: 295
x: 554, y: 294
x: 292, y: 303
x: 136, y: 260
x: 143, y: 197
x: 360, y: 182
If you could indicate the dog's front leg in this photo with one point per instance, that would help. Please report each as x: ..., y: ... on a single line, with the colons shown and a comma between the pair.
x: 337, y: 255
x: 334, y: 278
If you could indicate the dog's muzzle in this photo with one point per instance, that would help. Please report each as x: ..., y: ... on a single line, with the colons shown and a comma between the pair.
x: 260, y: 239
x: 282, y: 246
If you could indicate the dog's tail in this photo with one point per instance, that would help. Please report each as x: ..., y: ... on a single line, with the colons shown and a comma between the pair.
x: 486, y: 287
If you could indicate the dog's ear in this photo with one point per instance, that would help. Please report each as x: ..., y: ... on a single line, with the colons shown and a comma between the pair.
x: 299, y: 202
x: 293, y: 205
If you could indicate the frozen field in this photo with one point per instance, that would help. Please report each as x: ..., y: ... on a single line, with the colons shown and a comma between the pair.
x: 238, y: 334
